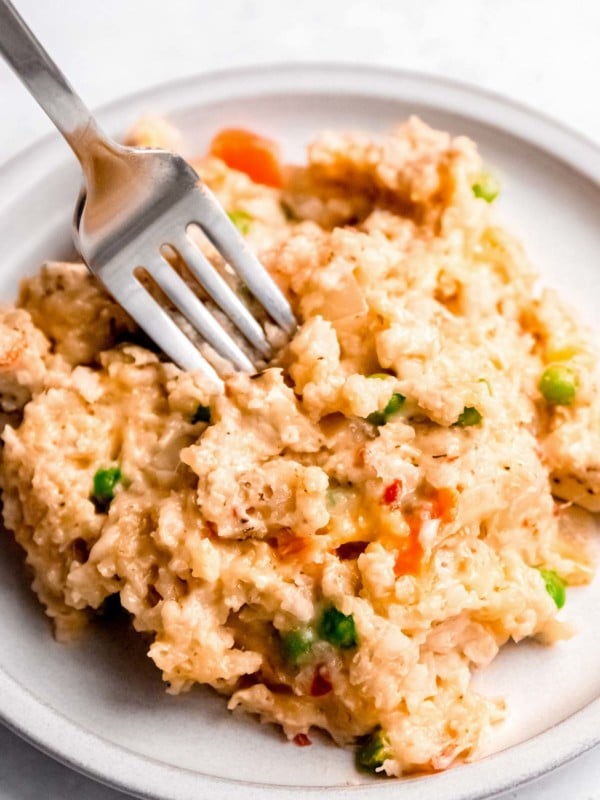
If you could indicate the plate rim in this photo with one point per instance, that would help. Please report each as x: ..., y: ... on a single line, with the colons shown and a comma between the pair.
x: 586, y: 146
x: 90, y: 754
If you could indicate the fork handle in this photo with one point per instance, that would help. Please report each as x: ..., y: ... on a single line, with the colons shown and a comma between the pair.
x: 32, y: 64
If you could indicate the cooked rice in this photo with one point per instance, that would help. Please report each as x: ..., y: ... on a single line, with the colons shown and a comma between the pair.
x: 226, y: 535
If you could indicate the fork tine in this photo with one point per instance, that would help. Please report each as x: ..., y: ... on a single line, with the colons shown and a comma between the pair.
x: 183, y: 298
x: 222, y: 294
x: 159, y: 326
x: 234, y: 249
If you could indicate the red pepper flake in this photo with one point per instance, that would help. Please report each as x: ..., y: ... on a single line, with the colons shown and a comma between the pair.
x: 391, y: 492
x: 321, y: 684
x: 302, y: 740
x: 350, y: 550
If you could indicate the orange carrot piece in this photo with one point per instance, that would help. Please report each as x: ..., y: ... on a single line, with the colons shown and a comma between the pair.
x: 248, y: 152
x: 444, y: 504
x: 408, y: 561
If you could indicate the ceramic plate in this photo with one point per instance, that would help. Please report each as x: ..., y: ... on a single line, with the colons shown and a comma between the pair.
x: 99, y: 705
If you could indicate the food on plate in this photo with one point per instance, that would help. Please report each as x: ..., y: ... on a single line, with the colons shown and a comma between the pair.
x: 338, y: 541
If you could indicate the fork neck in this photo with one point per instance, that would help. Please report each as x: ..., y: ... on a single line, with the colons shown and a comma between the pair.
x: 32, y: 64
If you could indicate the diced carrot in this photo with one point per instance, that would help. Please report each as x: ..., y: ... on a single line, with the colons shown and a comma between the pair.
x: 433, y: 504
x: 444, y: 504
x: 294, y: 546
x: 409, y: 558
x: 288, y: 545
x: 248, y: 152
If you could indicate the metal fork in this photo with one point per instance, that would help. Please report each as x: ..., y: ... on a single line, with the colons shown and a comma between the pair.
x: 134, y: 203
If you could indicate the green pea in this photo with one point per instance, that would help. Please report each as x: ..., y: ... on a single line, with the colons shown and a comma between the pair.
x: 468, y: 416
x: 394, y: 405
x: 105, y: 482
x: 555, y: 586
x: 297, y: 644
x: 241, y: 220
x: 486, y: 187
x: 373, y: 752
x: 201, y: 414
x: 558, y: 385
x: 377, y: 418
x: 338, y: 629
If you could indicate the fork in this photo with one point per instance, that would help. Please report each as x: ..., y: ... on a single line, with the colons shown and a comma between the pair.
x: 136, y: 202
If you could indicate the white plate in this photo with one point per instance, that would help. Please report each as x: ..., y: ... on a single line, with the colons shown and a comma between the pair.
x: 99, y: 705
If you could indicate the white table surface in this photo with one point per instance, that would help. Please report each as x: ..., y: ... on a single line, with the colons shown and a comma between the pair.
x: 545, y: 53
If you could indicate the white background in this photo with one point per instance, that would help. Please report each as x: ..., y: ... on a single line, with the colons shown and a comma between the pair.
x: 545, y: 53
